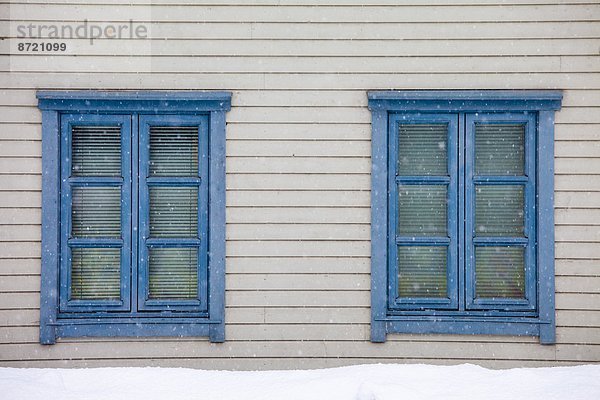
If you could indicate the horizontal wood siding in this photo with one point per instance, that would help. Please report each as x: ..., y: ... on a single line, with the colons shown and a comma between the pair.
x: 298, y: 164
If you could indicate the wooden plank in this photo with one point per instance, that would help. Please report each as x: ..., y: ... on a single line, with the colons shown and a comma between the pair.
x: 19, y: 148
x: 579, y: 284
x: 28, y: 132
x: 295, y: 165
x: 20, y: 199
x: 574, y: 353
x: 16, y: 300
x: 448, y: 81
x: 575, y: 267
x: 305, y: 248
x: 283, y: 148
x: 361, y: 31
x: 313, y: 131
x: 462, y: 13
x: 566, y: 233
x: 19, y: 266
x: 577, y: 183
x: 337, y: 3
x: 577, y: 250
x: 20, y: 216
x: 249, y: 265
x: 299, y: 215
x: 21, y: 182
x: 579, y: 115
x: 299, y: 182
x: 578, y: 301
x: 288, y: 297
x: 578, y: 335
x: 317, y: 231
x: 577, y: 199
x: 579, y: 149
x: 264, y: 198
x: 386, y: 31
x: 25, y: 233
x: 571, y: 318
x: 14, y: 335
x: 19, y: 318
x: 320, y: 81
x: 20, y: 283
x: 281, y: 64
x: 324, y: 282
x: 577, y: 216
x: 29, y: 165
x: 577, y: 132
x: 308, y: 315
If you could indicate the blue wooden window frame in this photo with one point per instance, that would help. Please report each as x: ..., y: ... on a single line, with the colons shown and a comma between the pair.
x: 471, y: 239
x: 134, y: 112
x: 145, y: 241
x: 450, y: 181
x: 67, y: 183
x: 461, y: 313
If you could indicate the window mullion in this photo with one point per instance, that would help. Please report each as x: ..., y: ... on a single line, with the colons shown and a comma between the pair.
x: 461, y: 222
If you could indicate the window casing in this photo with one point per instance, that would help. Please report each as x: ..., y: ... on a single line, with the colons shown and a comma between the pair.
x: 133, y: 202
x: 462, y: 213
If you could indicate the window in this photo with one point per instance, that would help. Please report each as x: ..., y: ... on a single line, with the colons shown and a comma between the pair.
x: 133, y: 214
x: 462, y: 212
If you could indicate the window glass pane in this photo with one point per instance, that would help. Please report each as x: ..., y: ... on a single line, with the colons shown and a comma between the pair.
x: 174, y: 151
x: 173, y: 273
x: 422, y: 149
x: 422, y: 271
x: 422, y: 210
x: 500, y: 272
x: 499, y: 149
x: 96, y: 151
x: 96, y: 212
x: 95, y: 274
x: 174, y: 212
x: 499, y: 210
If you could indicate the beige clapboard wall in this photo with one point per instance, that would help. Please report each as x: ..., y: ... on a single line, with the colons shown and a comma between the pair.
x: 298, y: 162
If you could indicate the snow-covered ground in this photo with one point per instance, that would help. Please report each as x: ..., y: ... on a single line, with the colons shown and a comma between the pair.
x: 362, y: 382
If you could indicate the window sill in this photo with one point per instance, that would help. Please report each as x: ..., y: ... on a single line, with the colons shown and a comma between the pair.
x: 139, y: 327
x: 464, y: 325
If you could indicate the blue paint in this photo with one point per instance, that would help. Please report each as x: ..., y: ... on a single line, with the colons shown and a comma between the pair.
x: 462, y: 313
x: 50, y: 226
x: 144, y: 240
x: 450, y: 181
x: 216, y: 268
x: 133, y: 315
x: 67, y: 185
x: 528, y: 242
x: 545, y: 225
x: 379, y: 222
